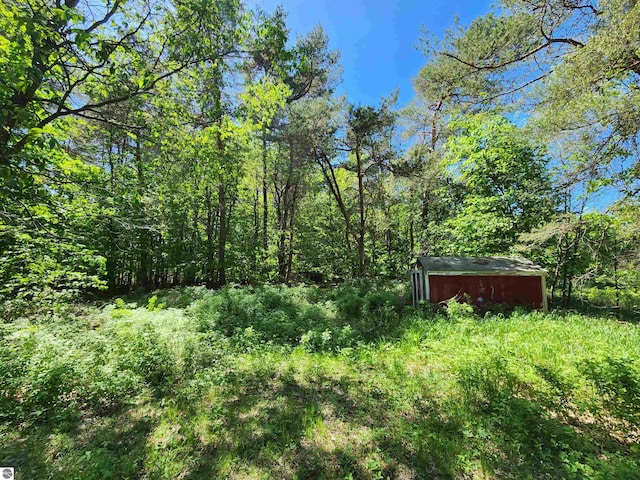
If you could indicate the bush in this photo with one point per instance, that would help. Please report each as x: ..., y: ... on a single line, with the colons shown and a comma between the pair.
x: 459, y: 310
x: 273, y: 313
x: 55, y: 370
x: 627, y: 298
x: 328, y: 340
x: 37, y: 374
x: 135, y: 347
x: 179, y: 297
x: 301, y: 314
x: 381, y: 313
x: 349, y: 302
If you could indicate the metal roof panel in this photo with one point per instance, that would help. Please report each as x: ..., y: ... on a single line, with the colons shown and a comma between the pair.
x: 491, y: 265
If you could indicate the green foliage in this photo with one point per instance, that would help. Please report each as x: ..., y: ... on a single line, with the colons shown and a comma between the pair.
x: 526, y: 395
x: 235, y: 169
x: 244, y: 167
x: 571, y: 68
x: 151, y: 305
x: 594, y: 257
x: 180, y: 297
x: 120, y: 309
x: 458, y: 310
x: 381, y: 313
x: 626, y: 298
x: 349, y: 302
x: 328, y: 340
x: 617, y: 381
x: 500, y: 186
x: 307, y: 315
x: 46, y: 256
x: 272, y: 313
x: 54, y: 371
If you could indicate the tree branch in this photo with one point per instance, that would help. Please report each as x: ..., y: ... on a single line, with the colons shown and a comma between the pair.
x: 524, y: 56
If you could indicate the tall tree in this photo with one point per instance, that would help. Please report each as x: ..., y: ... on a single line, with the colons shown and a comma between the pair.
x: 59, y: 50
x: 575, y: 64
x: 501, y: 183
x: 369, y: 142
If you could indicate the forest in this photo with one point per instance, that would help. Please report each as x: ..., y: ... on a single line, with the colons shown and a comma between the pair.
x: 204, y: 247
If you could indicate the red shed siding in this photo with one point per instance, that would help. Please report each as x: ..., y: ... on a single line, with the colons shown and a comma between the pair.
x: 510, y: 289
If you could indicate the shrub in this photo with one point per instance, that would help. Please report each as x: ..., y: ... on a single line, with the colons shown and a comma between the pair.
x: 381, y: 313
x: 38, y: 374
x: 628, y: 298
x: 459, y: 310
x: 154, y: 306
x: 135, y: 346
x: 55, y: 370
x: 349, y: 303
x: 284, y: 315
x: 273, y: 313
x: 328, y: 340
x: 180, y: 297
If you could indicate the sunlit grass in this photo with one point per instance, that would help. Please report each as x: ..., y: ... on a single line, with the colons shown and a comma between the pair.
x: 136, y: 393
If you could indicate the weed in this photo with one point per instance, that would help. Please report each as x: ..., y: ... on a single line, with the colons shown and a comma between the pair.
x: 277, y: 382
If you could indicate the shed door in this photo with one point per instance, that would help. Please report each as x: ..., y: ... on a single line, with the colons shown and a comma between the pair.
x: 417, y: 283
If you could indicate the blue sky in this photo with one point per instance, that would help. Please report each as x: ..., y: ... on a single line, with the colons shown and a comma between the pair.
x: 377, y: 39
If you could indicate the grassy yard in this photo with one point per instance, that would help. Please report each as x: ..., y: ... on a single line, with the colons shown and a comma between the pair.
x: 297, y: 383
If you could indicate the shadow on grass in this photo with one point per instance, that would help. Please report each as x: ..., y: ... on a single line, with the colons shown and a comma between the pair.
x: 97, y: 447
x: 276, y: 426
x: 279, y: 427
x: 300, y: 424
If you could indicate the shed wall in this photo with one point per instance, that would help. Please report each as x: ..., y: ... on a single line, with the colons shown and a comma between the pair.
x: 510, y: 289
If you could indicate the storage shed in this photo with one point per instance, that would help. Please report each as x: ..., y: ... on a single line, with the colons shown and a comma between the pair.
x: 506, y: 280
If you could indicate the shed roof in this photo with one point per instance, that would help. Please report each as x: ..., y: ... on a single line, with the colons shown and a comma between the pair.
x: 481, y: 265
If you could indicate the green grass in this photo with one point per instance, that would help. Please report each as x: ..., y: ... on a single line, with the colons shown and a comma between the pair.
x: 302, y: 383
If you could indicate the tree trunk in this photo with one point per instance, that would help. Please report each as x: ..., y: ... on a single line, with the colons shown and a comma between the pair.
x: 412, y: 247
x: 176, y: 271
x: 426, y: 245
x: 330, y: 177
x: 222, y: 238
x: 256, y: 234
x: 265, y: 199
x: 287, y: 278
x: 143, y: 279
x: 111, y: 263
x: 576, y: 246
x: 190, y: 270
x: 556, y: 271
x: 565, y: 269
x: 389, y: 241
x: 362, y: 267
x: 615, y: 269
x: 210, y: 267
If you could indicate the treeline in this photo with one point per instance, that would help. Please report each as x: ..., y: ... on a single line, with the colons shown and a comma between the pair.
x: 153, y: 144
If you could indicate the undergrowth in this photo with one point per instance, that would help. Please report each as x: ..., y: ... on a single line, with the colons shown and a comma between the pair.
x: 349, y: 382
